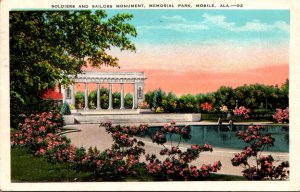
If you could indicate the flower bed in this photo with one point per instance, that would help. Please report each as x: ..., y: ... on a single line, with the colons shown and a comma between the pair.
x: 41, y: 134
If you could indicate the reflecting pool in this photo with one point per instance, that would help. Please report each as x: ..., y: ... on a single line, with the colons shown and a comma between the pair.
x: 223, y: 136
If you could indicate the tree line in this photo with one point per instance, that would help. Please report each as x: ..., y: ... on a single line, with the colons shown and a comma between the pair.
x: 255, y: 97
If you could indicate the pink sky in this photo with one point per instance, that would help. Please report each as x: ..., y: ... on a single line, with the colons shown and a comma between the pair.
x: 202, y: 82
x: 204, y: 68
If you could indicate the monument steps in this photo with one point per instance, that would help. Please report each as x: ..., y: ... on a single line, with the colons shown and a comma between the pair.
x: 132, y: 118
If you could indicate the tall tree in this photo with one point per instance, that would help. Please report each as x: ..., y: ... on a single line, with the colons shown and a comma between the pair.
x: 46, y: 46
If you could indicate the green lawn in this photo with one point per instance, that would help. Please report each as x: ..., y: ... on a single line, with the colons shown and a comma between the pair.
x: 27, y: 168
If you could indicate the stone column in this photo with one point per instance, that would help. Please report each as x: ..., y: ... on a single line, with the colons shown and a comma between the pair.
x: 133, y: 96
x: 122, y: 96
x: 98, y: 97
x: 110, y: 104
x: 73, y: 94
x: 86, y: 99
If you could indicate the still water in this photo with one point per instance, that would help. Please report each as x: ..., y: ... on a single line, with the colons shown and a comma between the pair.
x: 224, y: 136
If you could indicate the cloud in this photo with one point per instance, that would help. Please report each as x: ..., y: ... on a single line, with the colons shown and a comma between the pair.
x: 211, y: 22
x: 217, y: 20
x: 251, y: 26
x: 174, y: 18
x: 257, y: 26
x: 176, y: 23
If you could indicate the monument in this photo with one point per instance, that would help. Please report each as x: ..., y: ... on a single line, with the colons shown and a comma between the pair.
x: 135, y: 78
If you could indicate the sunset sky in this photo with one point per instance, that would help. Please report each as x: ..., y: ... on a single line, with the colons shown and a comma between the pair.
x: 197, y: 51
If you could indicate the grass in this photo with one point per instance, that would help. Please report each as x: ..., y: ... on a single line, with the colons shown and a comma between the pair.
x: 27, y: 168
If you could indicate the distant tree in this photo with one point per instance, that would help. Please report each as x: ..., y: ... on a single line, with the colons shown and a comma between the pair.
x: 104, y: 97
x: 169, y: 103
x: 224, y: 96
x: 92, y: 100
x: 284, y: 93
x: 79, y: 100
x: 128, y: 101
x: 116, y: 100
x: 187, y: 103
x: 157, y: 98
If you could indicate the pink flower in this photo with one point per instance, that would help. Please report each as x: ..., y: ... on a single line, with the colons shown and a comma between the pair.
x: 170, y: 129
x: 195, y: 147
x: 281, y: 115
x: 126, y: 130
x: 124, y: 136
x: 108, y: 152
x: 40, y: 139
x: 207, y: 146
x: 204, y: 168
x: 99, y: 163
x: 174, y: 149
x: 42, y: 150
x: 121, y: 168
x: 42, y: 129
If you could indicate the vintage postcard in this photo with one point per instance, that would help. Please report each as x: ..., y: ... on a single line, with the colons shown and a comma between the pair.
x: 150, y: 95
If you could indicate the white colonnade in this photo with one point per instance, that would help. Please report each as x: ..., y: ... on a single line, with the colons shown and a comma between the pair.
x: 135, y: 78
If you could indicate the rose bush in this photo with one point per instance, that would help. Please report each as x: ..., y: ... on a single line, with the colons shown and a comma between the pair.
x: 41, y: 134
x: 121, y: 159
x: 242, y: 112
x: 263, y: 169
x: 176, y: 166
x: 281, y: 116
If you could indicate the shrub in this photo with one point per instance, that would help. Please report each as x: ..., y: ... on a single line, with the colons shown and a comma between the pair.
x: 41, y: 134
x: 264, y: 168
x: 116, y: 100
x: 188, y: 104
x: 242, y: 112
x: 121, y: 159
x: 104, y: 92
x: 92, y: 99
x: 281, y: 115
x: 79, y: 100
x: 176, y: 165
x: 169, y: 103
x: 128, y: 101
x: 157, y: 98
x: 65, y: 109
